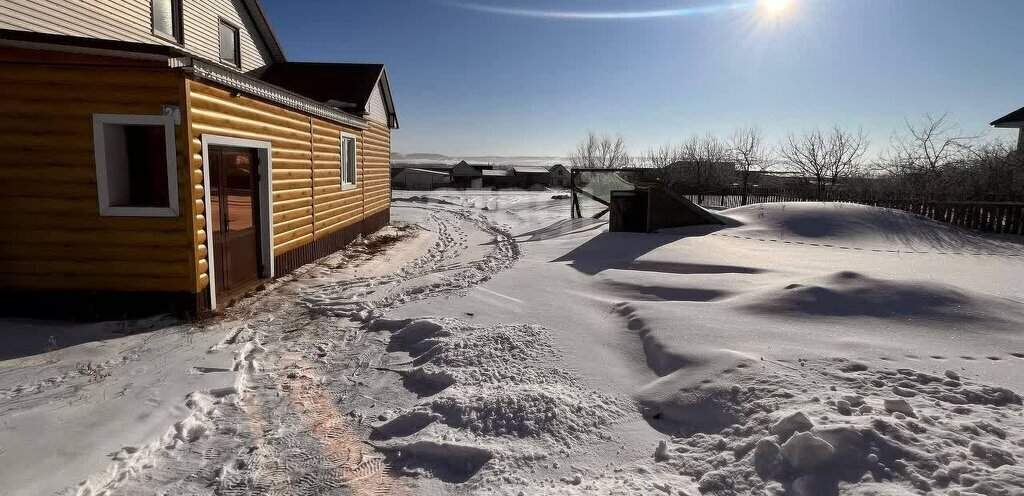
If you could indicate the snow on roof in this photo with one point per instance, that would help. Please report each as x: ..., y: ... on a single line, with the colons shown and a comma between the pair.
x: 423, y: 166
x: 496, y: 172
x: 425, y: 171
x: 530, y: 169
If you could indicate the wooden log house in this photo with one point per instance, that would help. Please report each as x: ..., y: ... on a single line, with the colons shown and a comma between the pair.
x: 159, y: 155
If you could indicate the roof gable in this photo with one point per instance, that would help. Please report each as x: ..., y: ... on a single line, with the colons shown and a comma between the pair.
x: 465, y: 170
x: 266, y: 32
x: 347, y: 87
x: 1013, y: 119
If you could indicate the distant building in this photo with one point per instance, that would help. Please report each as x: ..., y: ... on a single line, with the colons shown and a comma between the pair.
x: 559, y: 176
x: 1013, y: 120
x: 466, y: 176
x: 498, y: 178
x: 528, y: 176
x: 421, y: 179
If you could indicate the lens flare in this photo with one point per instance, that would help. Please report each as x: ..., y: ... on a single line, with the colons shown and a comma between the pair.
x: 776, y: 7
x: 604, y: 15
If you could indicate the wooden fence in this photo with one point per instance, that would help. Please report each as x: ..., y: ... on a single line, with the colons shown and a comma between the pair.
x: 996, y: 217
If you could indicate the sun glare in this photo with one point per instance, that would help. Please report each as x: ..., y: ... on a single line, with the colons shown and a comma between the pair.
x: 776, y: 7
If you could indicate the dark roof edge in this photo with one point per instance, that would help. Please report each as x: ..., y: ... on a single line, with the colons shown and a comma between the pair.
x: 31, y: 39
x: 1013, y: 119
x: 252, y: 86
x: 389, y: 101
x: 179, y: 59
x: 259, y: 17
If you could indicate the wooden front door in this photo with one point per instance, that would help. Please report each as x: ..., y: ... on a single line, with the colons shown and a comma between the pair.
x: 234, y: 218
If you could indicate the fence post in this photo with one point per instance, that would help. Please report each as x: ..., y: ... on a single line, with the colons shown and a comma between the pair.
x: 572, y: 194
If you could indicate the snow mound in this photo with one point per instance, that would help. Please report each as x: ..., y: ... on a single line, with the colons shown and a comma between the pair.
x: 492, y: 382
x: 859, y: 226
x: 852, y: 294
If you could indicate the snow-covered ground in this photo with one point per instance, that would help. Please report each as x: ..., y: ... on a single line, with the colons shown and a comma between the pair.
x: 807, y: 349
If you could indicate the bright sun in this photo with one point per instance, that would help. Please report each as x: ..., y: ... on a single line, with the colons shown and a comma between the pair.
x: 776, y: 6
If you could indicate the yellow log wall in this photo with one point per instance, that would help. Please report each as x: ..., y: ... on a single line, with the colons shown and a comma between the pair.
x: 309, y: 202
x: 52, y: 236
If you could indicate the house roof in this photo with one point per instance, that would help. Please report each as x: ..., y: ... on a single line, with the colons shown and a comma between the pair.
x: 496, y: 172
x: 463, y: 169
x: 345, y: 86
x: 530, y: 169
x: 423, y: 171
x: 175, y: 58
x: 1013, y: 119
x: 423, y: 166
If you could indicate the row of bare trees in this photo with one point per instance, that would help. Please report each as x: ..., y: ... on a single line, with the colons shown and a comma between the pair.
x: 930, y: 159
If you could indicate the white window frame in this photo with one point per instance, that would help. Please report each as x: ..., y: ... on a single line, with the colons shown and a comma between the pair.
x: 348, y: 183
x: 178, y: 37
x: 237, y: 64
x: 99, y: 121
x: 266, y: 216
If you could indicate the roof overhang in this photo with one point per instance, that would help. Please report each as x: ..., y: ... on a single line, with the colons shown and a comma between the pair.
x: 1014, y: 119
x: 389, y: 101
x: 87, y: 46
x: 168, y: 56
x: 255, y: 87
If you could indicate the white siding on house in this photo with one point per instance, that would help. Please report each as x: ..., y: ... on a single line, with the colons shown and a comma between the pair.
x: 130, y: 20
x: 377, y: 111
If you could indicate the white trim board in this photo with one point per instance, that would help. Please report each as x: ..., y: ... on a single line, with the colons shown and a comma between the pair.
x: 266, y: 220
x: 349, y: 185
x: 99, y: 122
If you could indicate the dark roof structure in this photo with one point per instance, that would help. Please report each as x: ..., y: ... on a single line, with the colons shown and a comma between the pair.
x: 463, y: 169
x: 115, y: 47
x: 347, y: 87
x: 1013, y: 119
x: 530, y: 169
x: 423, y: 166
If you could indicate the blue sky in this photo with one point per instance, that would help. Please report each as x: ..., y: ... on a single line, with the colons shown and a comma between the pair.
x: 470, y: 82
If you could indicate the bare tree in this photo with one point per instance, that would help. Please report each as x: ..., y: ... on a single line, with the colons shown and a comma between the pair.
x: 751, y: 154
x: 827, y: 157
x: 661, y: 157
x: 700, y: 158
x: 600, y: 152
x: 926, y: 156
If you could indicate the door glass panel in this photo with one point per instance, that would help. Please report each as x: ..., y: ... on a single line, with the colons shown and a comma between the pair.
x: 214, y: 213
x: 238, y: 188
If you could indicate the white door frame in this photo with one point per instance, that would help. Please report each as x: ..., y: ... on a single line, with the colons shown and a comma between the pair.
x: 266, y: 211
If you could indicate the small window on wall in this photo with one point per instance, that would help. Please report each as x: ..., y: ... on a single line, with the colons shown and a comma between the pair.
x: 167, y: 20
x: 348, y: 161
x: 135, y: 165
x: 230, y: 52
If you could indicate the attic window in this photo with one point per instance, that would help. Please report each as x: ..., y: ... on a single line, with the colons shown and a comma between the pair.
x: 230, y: 52
x: 167, y: 19
x: 135, y: 165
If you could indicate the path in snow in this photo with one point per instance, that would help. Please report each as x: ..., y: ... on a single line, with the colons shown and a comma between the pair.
x: 309, y: 374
